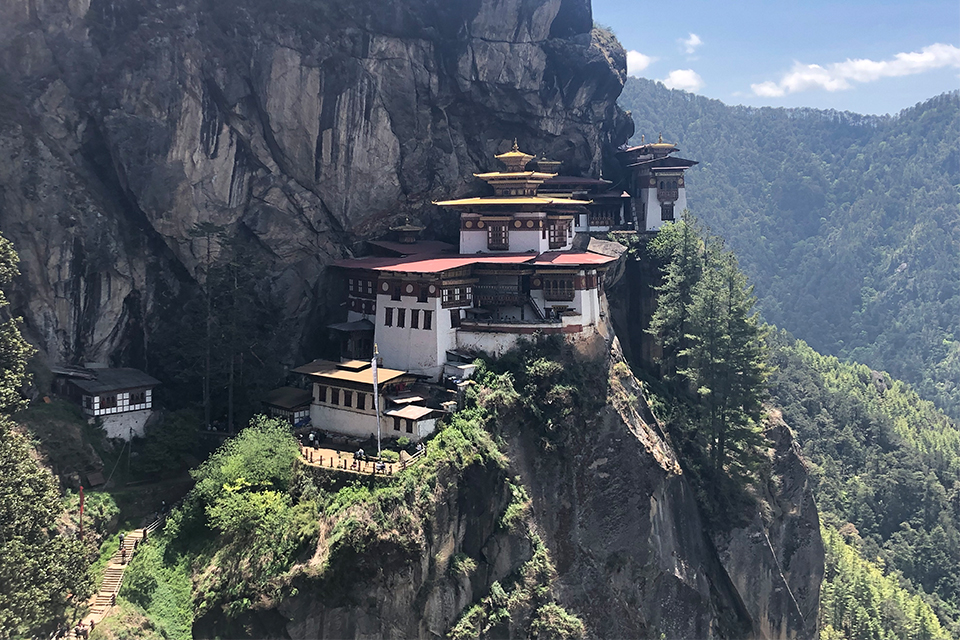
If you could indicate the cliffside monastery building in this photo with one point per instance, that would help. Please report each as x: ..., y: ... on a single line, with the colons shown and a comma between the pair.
x: 516, y: 274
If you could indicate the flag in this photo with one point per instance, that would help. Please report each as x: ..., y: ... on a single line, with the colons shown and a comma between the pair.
x: 376, y: 391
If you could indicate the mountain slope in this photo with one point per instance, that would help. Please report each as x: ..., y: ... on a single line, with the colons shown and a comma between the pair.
x: 847, y: 224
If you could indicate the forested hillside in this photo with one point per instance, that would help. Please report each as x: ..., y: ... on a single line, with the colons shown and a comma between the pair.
x: 847, y: 224
x: 887, y: 465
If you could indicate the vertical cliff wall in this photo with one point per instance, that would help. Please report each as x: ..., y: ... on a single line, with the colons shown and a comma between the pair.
x: 300, y: 126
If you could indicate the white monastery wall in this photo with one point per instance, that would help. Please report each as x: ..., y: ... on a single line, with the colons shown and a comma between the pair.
x: 359, y: 424
x: 122, y: 425
x: 421, y: 351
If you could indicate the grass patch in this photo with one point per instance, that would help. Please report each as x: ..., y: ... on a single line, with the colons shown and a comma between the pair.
x: 160, y: 589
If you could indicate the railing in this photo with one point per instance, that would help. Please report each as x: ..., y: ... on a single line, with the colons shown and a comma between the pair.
x: 564, y: 295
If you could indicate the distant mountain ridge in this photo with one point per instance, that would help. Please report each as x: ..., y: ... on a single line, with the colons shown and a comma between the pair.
x: 848, y: 224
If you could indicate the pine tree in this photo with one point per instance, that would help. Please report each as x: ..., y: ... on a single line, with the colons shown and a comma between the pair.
x: 39, y: 568
x: 680, y: 243
x: 725, y: 357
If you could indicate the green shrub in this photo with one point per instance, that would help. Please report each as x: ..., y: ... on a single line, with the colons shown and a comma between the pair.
x: 390, y: 456
x: 403, y: 442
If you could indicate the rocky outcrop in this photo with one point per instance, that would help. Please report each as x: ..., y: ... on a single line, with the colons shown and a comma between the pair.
x: 623, y: 524
x: 300, y: 127
x: 776, y: 561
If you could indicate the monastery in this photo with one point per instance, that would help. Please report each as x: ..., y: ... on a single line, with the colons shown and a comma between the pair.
x: 426, y: 306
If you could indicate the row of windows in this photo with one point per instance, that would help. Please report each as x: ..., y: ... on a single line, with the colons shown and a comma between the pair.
x: 457, y: 295
x: 343, y: 397
x: 498, y: 236
x: 360, y: 286
x: 668, y: 185
x: 396, y: 424
x: 399, y: 315
x: 421, y: 295
x: 117, y: 400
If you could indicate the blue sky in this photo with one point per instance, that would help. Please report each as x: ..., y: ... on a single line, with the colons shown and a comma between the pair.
x: 867, y: 57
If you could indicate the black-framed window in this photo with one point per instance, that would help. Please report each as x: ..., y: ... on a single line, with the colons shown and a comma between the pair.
x: 401, y: 317
x: 334, y: 396
x: 361, y: 401
x: 414, y: 318
x: 428, y: 320
x: 388, y: 316
x: 666, y: 211
x: 321, y: 393
x: 348, y: 398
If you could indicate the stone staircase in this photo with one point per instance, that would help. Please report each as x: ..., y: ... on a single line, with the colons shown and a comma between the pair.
x: 113, y: 576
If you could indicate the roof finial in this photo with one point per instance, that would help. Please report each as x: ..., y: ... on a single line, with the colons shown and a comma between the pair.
x: 516, y: 147
x: 661, y: 138
x: 642, y: 141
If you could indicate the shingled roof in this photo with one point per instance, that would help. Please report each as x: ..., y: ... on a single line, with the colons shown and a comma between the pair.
x: 108, y: 380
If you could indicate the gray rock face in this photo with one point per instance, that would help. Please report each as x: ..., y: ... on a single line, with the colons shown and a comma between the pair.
x: 776, y: 561
x: 302, y: 127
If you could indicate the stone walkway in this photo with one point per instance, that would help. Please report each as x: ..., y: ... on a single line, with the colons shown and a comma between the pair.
x: 105, y: 599
x: 337, y: 460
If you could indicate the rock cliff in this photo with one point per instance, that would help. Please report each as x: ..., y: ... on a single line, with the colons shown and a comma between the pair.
x: 301, y: 127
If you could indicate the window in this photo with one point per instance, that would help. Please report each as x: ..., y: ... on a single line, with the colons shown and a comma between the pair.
x: 361, y: 401
x: 558, y: 235
x: 428, y: 320
x: 108, y: 402
x: 396, y: 423
x: 558, y: 289
x: 334, y: 396
x: 388, y: 316
x: 409, y: 426
x: 321, y: 393
x: 661, y: 185
x: 138, y: 397
x: 348, y: 398
x: 423, y: 293
x: 666, y: 211
x: 350, y: 286
x: 396, y: 292
x: 414, y: 318
x: 369, y: 286
x: 498, y: 237
x: 454, y: 318
x: 401, y: 317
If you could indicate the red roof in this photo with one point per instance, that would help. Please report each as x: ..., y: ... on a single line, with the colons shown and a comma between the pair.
x: 572, y: 258
x: 415, y: 264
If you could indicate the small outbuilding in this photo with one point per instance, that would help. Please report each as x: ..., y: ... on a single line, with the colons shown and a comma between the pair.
x: 121, y: 398
x: 290, y: 404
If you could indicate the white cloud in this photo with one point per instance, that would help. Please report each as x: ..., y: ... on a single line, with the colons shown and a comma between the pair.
x: 637, y: 62
x: 685, y: 79
x: 839, y: 75
x: 691, y: 43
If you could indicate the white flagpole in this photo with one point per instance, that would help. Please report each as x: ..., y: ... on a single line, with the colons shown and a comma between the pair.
x: 376, y: 394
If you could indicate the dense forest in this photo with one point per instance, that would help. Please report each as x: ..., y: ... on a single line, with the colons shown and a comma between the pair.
x: 885, y: 463
x: 887, y: 467
x: 848, y: 225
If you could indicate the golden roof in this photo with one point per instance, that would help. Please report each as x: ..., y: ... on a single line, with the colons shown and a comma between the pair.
x: 514, y: 156
x: 532, y: 175
x: 511, y: 200
x: 325, y: 370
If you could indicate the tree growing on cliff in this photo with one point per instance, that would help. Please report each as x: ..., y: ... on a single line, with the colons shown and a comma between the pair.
x: 712, y: 346
x: 682, y: 246
x: 40, y: 569
x: 726, y: 358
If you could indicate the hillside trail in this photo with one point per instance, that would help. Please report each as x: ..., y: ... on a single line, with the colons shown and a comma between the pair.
x: 101, y: 604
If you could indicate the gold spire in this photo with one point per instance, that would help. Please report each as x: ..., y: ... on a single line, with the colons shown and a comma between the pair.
x: 642, y: 141
x: 660, y: 141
